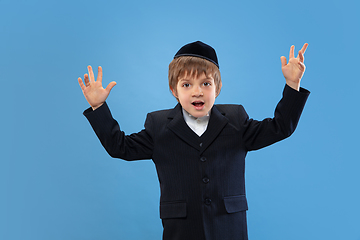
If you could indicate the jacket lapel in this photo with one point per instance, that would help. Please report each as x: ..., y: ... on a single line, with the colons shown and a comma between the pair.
x: 216, y: 123
x: 178, y: 125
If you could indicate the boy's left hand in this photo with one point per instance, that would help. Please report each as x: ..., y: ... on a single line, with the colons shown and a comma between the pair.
x: 295, y: 68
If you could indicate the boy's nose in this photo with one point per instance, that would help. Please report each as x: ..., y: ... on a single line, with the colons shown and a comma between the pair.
x: 197, y: 92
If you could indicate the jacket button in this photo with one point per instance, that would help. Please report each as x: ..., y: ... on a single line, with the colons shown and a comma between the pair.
x: 203, y: 159
x: 207, y: 201
x: 200, y: 144
x: 206, y: 180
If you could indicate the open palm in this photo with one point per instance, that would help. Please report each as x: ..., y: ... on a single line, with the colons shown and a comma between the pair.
x: 93, y: 90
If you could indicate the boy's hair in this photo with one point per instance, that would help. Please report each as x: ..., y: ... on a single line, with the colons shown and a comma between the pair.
x: 194, y: 66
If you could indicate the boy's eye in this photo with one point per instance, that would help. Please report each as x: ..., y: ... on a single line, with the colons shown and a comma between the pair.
x: 206, y: 84
x: 186, y: 85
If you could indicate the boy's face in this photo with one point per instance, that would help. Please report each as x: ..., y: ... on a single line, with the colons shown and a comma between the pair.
x: 196, y: 94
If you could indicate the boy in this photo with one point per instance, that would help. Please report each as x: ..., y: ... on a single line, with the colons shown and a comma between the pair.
x: 199, y: 148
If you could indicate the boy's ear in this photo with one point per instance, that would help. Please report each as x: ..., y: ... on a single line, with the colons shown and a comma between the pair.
x: 219, y: 89
x: 174, y: 92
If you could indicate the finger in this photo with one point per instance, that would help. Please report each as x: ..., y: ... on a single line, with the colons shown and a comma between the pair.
x: 110, y: 86
x: 304, y: 48
x: 302, y: 66
x: 99, y: 77
x: 301, y: 56
x: 81, y: 83
x: 91, y: 74
x: 86, y: 79
x: 291, y: 54
x: 283, y: 61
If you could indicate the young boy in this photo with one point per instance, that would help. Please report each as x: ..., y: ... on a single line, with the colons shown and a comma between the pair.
x: 199, y: 148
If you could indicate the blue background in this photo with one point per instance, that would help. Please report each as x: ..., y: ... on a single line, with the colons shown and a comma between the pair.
x: 56, y: 180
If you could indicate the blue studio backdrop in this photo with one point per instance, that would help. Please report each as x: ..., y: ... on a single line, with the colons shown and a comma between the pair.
x: 56, y: 180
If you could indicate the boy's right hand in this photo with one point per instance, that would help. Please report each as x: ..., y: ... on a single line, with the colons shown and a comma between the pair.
x: 93, y: 90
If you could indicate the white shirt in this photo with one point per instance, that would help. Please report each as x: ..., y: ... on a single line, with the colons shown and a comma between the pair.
x: 198, y: 125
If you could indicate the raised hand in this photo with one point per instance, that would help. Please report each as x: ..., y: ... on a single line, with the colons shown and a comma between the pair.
x: 93, y: 90
x: 295, y: 68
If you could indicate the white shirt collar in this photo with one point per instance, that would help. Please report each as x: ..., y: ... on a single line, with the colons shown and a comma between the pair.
x: 198, y: 125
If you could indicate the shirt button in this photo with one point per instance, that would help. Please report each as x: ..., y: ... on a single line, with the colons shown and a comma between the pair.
x: 206, y: 180
x: 203, y: 159
x: 207, y: 201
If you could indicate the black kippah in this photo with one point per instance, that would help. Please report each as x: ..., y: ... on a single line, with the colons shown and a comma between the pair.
x: 198, y: 49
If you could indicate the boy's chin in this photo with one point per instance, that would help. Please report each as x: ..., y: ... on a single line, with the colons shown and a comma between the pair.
x: 199, y: 114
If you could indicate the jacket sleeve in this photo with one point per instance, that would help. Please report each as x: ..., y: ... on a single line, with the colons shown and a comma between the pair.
x: 136, y: 146
x: 259, y: 134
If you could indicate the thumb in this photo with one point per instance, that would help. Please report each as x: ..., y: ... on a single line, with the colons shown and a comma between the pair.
x: 283, y: 61
x: 110, y: 86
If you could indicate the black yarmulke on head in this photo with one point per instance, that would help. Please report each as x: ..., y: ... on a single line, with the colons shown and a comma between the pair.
x: 198, y: 49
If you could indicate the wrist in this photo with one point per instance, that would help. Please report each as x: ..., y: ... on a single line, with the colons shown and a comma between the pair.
x: 294, y: 85
x: 97, y: 106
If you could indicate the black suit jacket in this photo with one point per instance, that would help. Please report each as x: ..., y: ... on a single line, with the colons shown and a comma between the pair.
x: 201, y: 178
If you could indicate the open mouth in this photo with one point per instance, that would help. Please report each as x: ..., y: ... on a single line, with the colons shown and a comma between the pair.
x: 198, y: 104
